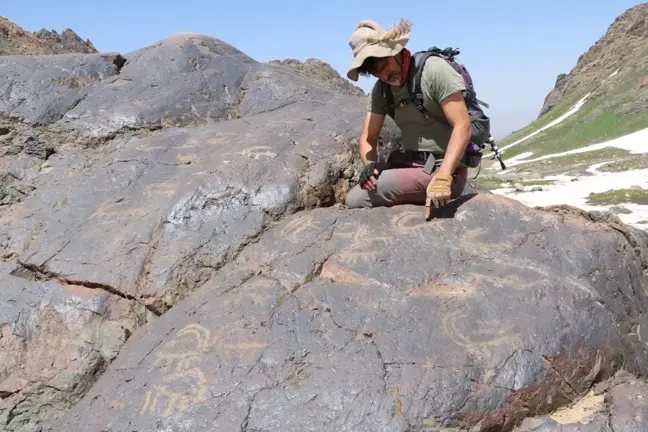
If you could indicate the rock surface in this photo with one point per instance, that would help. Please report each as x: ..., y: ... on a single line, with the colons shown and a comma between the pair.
x: 375, y: 320
x: 173, y: 257
x: 321, y: 72
x: 16, y: 41
x: 617, y: 62
x: 111, y: 213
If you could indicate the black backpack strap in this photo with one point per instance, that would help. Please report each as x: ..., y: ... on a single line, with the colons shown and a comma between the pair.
x: 414, y: 79
x: 388, y: 97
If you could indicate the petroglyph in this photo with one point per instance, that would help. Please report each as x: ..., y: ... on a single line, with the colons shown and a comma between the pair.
x: 179, y: 366
x: 190, y: 143
x: 364, y: 247
x: 217, y: 140
x: 117, y: 405
x: 177, y: 402
x: 257, y: 152
x: 293, y: 231
x: 337, y: 273
x: 147, y: 147
x: 436, y: 288
x: 166, y: 188
x: 477, y: 335
x: 233, y: 340
x: 410, y: 223
x: 109, y: 211
x: 474, y: 238
x: 184, y: 383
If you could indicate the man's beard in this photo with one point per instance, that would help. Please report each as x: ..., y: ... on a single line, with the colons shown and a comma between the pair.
x: 395, y: 79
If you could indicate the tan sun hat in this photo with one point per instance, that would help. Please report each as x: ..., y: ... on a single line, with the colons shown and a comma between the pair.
x: 370, y: 40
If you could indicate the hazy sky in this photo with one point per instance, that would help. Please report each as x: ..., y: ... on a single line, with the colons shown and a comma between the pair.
x: 513, y: 49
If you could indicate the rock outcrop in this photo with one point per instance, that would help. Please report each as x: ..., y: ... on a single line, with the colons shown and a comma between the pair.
x: 112, y: 212
x: 615, y: 405
x: 16, y: 41
x: 365, y: 320
x: 174, y: 257
x: 616, y: 63
x: 321, y: 72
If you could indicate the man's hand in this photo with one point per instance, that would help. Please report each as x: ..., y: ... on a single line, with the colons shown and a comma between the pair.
x: 438, y: 192
x: 368, y: 176
x: 367, y: 146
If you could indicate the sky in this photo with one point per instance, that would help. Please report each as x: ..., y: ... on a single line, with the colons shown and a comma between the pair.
x: 514, y: 50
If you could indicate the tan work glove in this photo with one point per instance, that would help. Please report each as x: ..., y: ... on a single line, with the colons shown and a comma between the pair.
x: 438, y: 192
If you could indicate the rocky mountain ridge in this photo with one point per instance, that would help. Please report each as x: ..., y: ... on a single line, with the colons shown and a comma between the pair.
x: 14, y: 40
x: 322, y: 72
x: 621, y: 53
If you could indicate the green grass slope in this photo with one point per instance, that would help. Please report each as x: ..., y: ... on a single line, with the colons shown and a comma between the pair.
x: 620, y: 111
x: 613, y: 74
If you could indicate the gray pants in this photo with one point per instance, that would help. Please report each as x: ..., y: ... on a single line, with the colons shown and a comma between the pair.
x: 402, y: 182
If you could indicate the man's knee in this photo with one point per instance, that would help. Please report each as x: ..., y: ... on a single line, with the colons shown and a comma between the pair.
x: 357, y: 198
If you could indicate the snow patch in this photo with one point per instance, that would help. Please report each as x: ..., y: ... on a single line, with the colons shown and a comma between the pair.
x: 635, y: 143
x: 565, y: 190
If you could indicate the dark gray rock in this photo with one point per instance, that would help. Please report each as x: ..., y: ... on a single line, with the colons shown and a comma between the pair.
x: 184, y: 78
x: 170, y: 190
x: 41, y: 89
x: 321, y: 72
x: 142, y: 220
x: 55, y: 338
x: 375, y: 320
x: 177, y: 204
x: 189, y: 79
x: 181, y: 80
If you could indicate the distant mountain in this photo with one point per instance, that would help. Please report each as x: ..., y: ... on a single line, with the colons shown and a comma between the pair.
x: 588, y: 146
x: 605, y: 96
x: 621, y: 54
x: 322, y: 73
x: 14, y: 40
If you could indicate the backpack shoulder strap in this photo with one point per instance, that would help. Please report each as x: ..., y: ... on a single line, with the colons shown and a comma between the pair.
x: 388, y: 97
x: 416, y: 72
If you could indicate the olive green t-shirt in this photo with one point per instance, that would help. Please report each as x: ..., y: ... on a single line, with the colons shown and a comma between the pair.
x: 438, y: 81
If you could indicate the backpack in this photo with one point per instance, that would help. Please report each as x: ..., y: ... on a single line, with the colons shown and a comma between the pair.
x: 414, y: 83
x: 473, y: 154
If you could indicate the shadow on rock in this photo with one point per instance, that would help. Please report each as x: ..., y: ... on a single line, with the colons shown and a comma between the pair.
x: 449, y: 210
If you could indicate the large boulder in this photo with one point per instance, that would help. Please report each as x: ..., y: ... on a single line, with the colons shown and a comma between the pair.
x: 101, y: 230
x: 41, y: 89
x: 173, y: 257
x: 376, y: 320
x: 184, y: 79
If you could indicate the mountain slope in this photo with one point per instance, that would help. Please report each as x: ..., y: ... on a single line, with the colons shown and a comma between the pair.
x: 584, y: 148
x: 14, y: 40
x: 622, y: 50
x: 605, y: 96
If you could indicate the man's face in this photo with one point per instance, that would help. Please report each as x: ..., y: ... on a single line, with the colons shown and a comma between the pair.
x: 388, y: 69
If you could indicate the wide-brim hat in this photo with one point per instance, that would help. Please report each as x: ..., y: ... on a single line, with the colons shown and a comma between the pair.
x: 370, y: 40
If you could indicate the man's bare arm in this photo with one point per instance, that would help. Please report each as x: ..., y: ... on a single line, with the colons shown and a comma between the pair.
x: 371, y: 128
x: 455, y: 111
